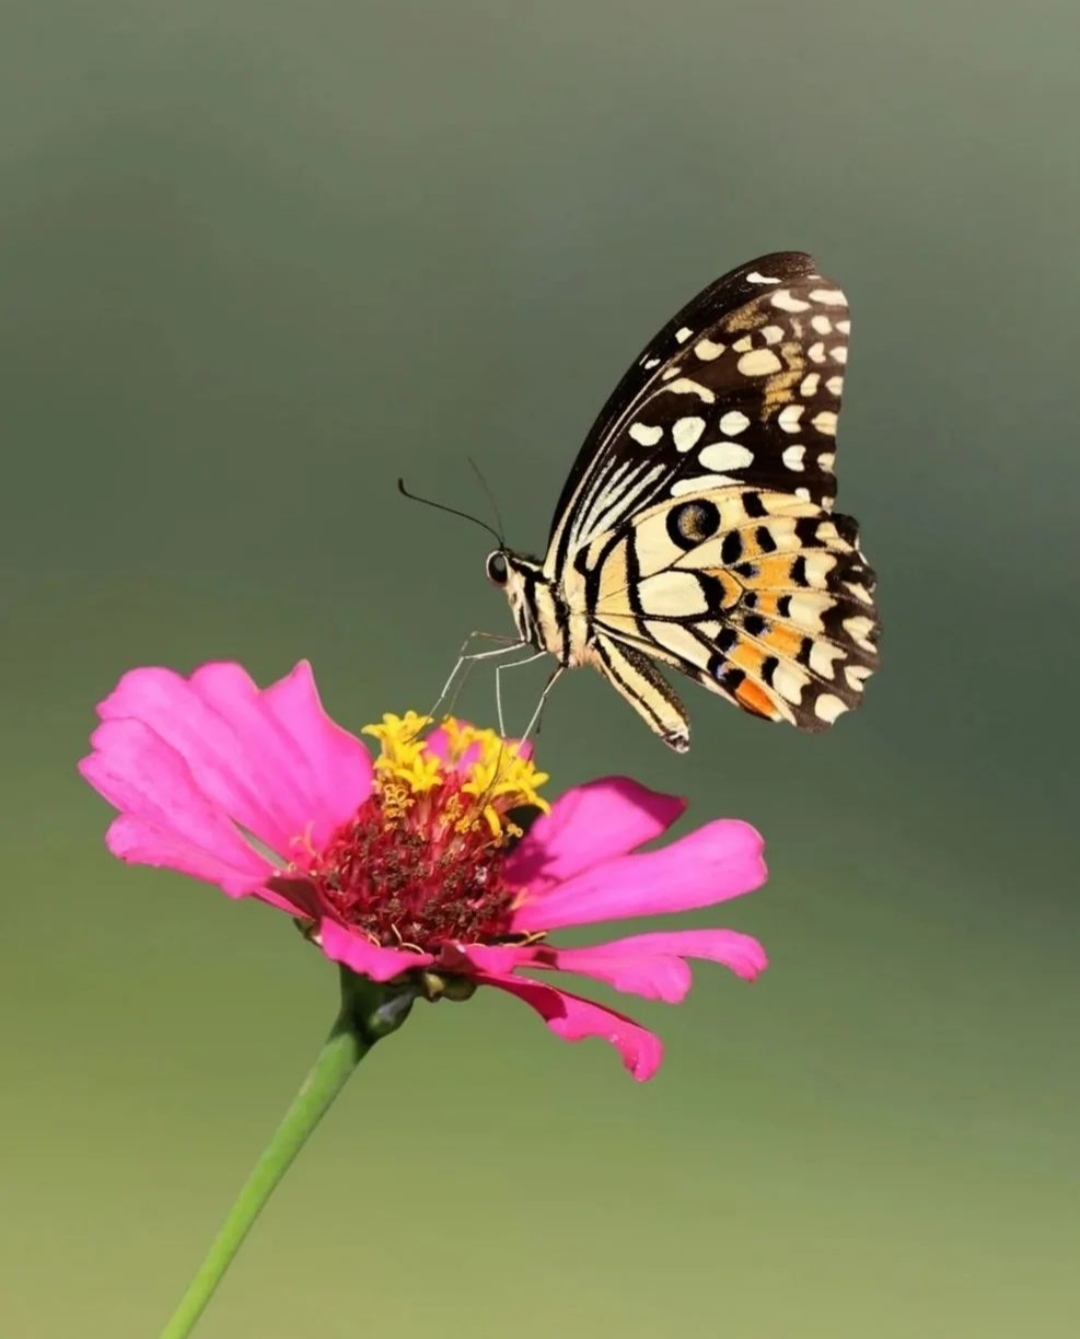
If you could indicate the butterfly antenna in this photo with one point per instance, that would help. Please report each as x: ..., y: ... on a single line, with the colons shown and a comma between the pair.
x: 441, y: 506
x: 490, y: 497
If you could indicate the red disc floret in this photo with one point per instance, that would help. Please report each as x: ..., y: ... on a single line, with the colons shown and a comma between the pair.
x: 424, y: 878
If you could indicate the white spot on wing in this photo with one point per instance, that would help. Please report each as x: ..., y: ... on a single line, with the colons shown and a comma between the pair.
x: 825, y: 422
x: 759, y: 363
x: 826, y: 460
x: 821, y: 324
x: 810, y: 384
x: 793, y: 457
x: 644, y: 434
x: 686, y: 433
x: 701, y: 484
x: 805, y: 610
x: 835, y: 386
x: 650, y: 363
x: 789, y: 417
x: 786, y: 302
x: 816, y: 352
x: 859, y: 628
x: 789, y: 681
x: 822, y: 655
x: 818, y: 567
x: 733, y: 422
x: 844, y: 327
x: 726, y: 456
x: 839, y: 354
x: 684, y: 334
x: 828, y: 297
x: 684, y: 386
x: 803, y: 494
x: 758, y: 278
x: 828, y: 706
x: 706, y: 350
x: 773, y: 334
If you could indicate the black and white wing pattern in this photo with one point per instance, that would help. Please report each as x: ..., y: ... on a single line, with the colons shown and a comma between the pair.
x: 696, y: 527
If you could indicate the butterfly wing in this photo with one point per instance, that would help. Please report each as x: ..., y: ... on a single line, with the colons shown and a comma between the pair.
x: 760, y: 596
x: 695, y: 526
x: 768, y: 337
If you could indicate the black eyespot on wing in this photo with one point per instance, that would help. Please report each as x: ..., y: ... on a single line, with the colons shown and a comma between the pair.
x: 692, y: 523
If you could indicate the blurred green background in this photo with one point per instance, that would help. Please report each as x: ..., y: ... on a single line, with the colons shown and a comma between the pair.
x: 256, y: 260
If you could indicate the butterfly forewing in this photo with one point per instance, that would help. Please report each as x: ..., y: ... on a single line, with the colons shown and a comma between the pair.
x: 743, y: 386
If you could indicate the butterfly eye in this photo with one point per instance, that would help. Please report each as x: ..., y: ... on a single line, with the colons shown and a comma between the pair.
x: 497, y: 569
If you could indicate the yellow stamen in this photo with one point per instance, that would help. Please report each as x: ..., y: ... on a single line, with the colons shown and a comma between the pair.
x: 496, y: 777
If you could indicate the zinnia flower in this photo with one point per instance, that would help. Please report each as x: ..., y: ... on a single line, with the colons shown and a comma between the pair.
x: 413, y: 865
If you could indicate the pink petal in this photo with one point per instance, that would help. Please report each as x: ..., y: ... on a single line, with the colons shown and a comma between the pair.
x: 653, y: 966
x: 573, y: 1018
x: 259, y: 756
x: 166, y: 819
x: 227, y: 760
x: 718, y: 861
x: 346, y: 946
x: 339, y: 774
x: 650, y: 965
x: 588, y: 825
x: 492, y: 959
x: 283, y: 770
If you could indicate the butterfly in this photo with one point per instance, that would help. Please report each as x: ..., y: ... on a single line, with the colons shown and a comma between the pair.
x: 696, y: 528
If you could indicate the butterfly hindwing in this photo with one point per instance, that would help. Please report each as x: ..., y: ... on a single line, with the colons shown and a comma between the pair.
x: 761, y: 597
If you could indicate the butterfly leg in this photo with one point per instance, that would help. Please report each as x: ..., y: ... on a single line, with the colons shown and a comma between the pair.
x: 514, y: 664
x: 534, y: 722
x: 469, y: 658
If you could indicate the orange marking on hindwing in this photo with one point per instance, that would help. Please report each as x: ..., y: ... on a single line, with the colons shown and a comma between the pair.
x: 746, y: 656
x: 782, y: 641
x: 754, y: 698
x: 773, y: 572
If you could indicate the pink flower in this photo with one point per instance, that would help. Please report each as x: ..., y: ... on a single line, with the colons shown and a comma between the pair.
x: 412, y: 863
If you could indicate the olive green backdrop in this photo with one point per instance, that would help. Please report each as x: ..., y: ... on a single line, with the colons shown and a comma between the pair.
x: 256, y: 260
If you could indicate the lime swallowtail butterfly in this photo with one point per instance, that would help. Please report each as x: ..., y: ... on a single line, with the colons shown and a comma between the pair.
x: 696, y: 528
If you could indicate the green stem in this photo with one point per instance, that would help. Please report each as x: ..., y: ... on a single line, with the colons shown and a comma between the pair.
x: 368, y: 1012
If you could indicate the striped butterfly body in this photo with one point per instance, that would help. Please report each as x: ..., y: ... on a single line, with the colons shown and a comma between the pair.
x: 696, y: 528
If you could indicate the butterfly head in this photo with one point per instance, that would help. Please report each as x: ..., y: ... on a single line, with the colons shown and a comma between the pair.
x: 520, y: 578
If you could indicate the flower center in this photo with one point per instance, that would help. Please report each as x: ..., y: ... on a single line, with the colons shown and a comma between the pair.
x: 419, y: 864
